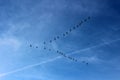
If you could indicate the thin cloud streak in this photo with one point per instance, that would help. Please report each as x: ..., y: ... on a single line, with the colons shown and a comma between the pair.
x: 58, y: 57
x: 29, y: 66
x: 99, y: 45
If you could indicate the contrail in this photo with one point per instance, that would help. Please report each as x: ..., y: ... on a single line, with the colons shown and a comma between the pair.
x: 29, y: 66
x: 99, y: 45
x: 58, y: 57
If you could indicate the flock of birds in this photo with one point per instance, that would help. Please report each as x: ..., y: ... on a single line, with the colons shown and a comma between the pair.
x: 63, y: 35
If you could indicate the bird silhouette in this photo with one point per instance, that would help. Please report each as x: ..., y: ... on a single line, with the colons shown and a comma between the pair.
x: 81, y: 22
x: 64, y: 55
x: 63, y: 34
x: 30, y: 45
x: 69, y: 57
x: 75, y: 60
x: 50, y: 41
x: 44, y: 47
x: 57, y: 51
x: 58, y: 37
x: 61, y: 53
x: 70, y: 30
x: 54, y: 38
x: 85, y: 20
x: 44, y: 42
x: 73, y: 27
x: 66, y: 32
x: 83, y: 61
x: 49, y: 49
x: 77, y: 26
x: 86, y: 63
x: 89, y: 17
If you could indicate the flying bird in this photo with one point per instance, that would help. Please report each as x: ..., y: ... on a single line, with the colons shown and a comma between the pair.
x: 61, y: 53
x: 70, y: 30
x: 57, y: 51
x: 50, y: 41
x: 86, y: 63
x: 76, y: 60
x: 73, y: 59
x: 58, y: 37
x: 85, y: 20
x: 63, y: 34
x: 69, y: 57
x: 44, y: 42
x: 81, y: 22
x: 66, y: 32
x: 83, y: 61
x: 44, y: 47
x: 77, y: 26
x: 49, y: 49
x: 30, y: 45
x: 64, y: 55
x: 73, y: 27
x: 89, y: 17
x: 54, y: 38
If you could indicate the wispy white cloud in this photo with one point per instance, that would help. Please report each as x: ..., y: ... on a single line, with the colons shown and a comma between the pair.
x: 92, y: 59
x: 11, y: 42
x: 29, y: 66
x: 55, y: 46
x: 89, y: 59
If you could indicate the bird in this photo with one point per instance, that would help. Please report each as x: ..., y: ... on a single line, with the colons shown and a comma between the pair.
x: 80, y: 23
x: 73, y: 27
x: 70, y: 30
x: 77, y: 26
x: 76, y: 60
x: 61, y: 53
x: 69, y: 57
x: 30, y: 45
x: 50, y: 41
x: 49, y: 49
x: 73, y: 59
x: 83, y: 61
x: 85, y: 20
x: 66, y: 32
x: 54, y: 38
x: 36, y: 46
x: 88, y: 43
x: 58, y: 37
x: 86, y: 63
x: 44, y: 42
x: 89, y: 17
x: 64, y: 55
x: 57, y: 51
x: 63, y: 34
x: 44, y: 47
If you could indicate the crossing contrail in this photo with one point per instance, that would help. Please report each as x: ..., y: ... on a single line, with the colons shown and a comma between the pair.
x: 53, y: 59
x: 92, y: 47
x: 29, y: 66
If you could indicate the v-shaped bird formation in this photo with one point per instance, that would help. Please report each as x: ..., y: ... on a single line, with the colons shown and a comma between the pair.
x: 62, y: 36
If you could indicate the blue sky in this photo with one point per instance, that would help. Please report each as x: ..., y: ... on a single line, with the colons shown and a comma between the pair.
x: 25, y: 22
